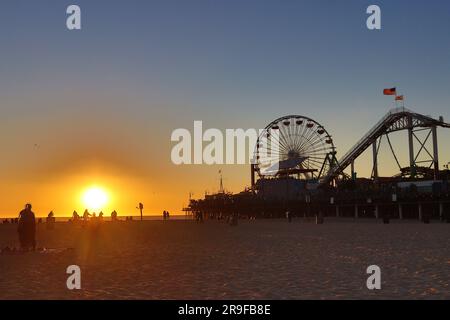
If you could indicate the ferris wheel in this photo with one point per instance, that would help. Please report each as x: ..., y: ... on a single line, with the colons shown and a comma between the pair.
x: 294, y: 145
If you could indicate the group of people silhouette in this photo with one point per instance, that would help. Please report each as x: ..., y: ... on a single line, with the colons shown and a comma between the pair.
x: 166, y: 215
x: 12, y: 221
x: 27, y: 223
x: 88, y: 217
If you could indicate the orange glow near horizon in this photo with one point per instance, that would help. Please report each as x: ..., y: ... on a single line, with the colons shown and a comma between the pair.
x: 95, y: 198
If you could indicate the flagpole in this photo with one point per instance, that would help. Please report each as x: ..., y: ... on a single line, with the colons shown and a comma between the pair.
x: 396, y: 101
x: 396, y: 95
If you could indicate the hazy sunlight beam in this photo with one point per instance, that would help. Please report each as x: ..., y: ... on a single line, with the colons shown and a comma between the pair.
x: 95, y: 198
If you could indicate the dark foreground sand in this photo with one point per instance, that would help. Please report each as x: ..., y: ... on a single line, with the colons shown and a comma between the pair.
x: 256, y: 260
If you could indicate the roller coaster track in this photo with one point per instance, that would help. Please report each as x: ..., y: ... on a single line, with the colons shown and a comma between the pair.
x: 395, y: 120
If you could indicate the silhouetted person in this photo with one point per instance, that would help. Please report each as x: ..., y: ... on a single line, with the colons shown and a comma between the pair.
x: 100, y: 216
x: 234, y: 219
x: 86, y: 215
x: 75, y: 217
x: 27, y: 228
x: 288, y: 216
x: 141, y: 208
x: 319, y: 218
x: 114, y: 216
x: 50, y: 221
x: 199, y: 216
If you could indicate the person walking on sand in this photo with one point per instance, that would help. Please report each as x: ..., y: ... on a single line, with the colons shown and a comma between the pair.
x: 50, y: 221
x: 27, y: 228
x: 75, y: 217
x: 114, y: 216
x: 86, y: 215
x: 288, y: 216
x: 234, y: 219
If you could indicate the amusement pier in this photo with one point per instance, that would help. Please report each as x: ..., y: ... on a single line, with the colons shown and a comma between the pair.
x: 311, y: 180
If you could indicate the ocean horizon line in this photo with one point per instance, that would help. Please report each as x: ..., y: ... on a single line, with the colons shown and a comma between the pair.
x: 108, y: 218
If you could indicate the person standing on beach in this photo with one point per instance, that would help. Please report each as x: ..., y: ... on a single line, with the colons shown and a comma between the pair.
x: 114, y: 216
x: 75, y: 217
x: 27, y: 228
x: 86, y: 215
x: 50, y: 221
x: 288, y: 216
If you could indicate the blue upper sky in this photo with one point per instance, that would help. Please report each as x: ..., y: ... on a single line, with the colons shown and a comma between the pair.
x: 233, y: 54
x: 207, y: 58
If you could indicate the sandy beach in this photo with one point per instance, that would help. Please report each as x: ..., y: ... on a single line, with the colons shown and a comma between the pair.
x: 263, y: 259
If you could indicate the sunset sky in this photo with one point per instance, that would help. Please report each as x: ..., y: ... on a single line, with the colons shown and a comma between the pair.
x: 97, y: 107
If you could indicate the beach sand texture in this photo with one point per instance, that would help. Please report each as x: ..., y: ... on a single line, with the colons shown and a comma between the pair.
x: 263, y: 259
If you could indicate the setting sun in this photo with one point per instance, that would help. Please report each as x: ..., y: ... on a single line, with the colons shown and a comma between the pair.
x: 95, y: 198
